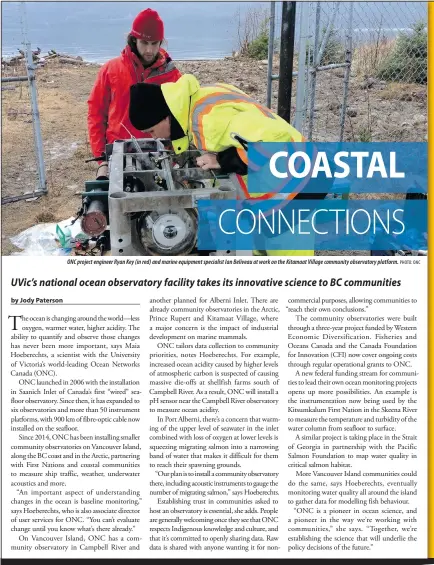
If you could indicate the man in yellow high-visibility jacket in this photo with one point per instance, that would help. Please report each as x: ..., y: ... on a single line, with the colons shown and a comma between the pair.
x: 216, y: 119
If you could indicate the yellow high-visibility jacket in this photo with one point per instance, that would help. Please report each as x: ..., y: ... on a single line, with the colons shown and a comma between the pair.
x: 213, y: 116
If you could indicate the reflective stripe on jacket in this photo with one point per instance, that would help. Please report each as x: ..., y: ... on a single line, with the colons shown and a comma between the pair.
x: 109, y: 100
x: 212, y: 117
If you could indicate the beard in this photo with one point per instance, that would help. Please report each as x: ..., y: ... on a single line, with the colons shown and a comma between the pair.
x: 148, y: 61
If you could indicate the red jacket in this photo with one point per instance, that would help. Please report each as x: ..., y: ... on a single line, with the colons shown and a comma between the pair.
x: 110, y: 97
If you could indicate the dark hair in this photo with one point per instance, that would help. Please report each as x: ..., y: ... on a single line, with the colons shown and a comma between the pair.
x: 132, y: 42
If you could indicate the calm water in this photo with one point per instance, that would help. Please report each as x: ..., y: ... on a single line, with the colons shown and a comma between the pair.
x: 97, y: 30
x: 199, y: 30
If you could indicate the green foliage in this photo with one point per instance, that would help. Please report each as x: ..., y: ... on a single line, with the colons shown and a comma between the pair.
x: 364, y: 134
x: 408, y: 61
x: 258, y: 48
x: 253, y: 33
x: 334, y: 51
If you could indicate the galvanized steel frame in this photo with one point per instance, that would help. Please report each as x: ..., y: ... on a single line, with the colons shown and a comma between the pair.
x: 123, y: 237
x: 306, y: 74
x: 36, y: 122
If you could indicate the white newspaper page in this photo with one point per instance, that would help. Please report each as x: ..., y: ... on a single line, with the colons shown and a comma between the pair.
x: 208, y: 407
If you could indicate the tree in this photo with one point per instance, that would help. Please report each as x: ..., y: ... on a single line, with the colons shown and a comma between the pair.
x: 408, y: 61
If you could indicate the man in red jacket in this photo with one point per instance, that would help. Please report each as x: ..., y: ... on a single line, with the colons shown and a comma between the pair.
x: 142, y: 60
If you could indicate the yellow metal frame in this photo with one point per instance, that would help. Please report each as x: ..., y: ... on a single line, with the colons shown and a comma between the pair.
x: 430, y: 280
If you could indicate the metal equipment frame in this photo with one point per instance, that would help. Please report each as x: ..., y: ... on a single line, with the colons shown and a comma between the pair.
x: 123, y: 235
